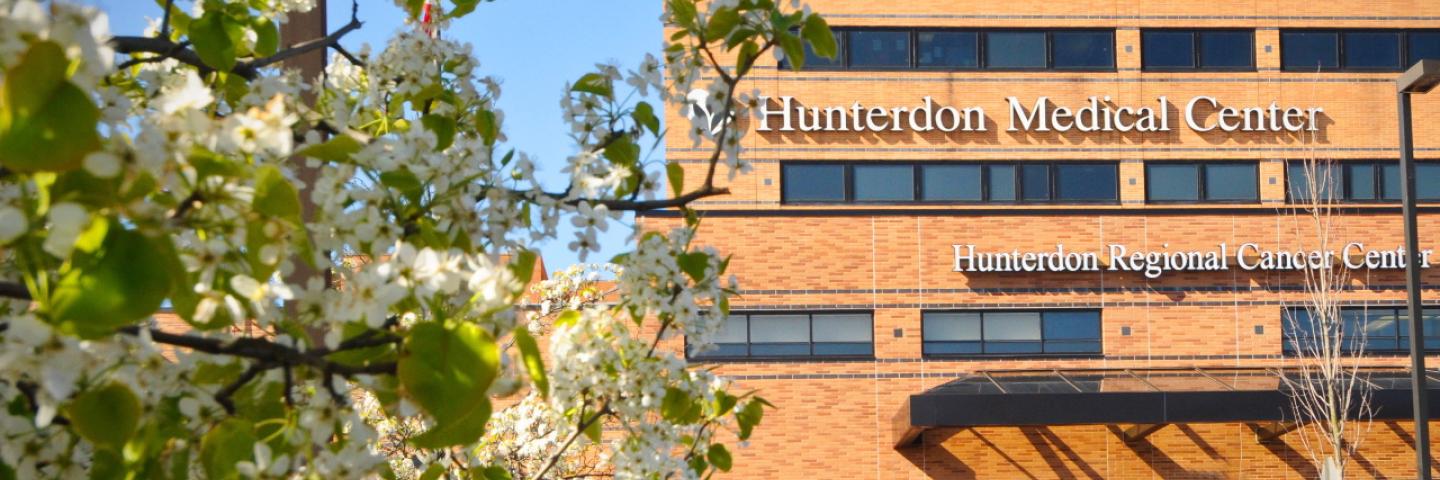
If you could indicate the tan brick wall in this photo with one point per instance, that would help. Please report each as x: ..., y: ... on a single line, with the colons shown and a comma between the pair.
x: 834, y: 418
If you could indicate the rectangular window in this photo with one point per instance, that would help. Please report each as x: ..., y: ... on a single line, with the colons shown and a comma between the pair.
x: 1385, y: 330
x: 1091, y: 182
x: 1359, y: 50
x: 1202, y: 182
x: 944, y: 49
x: 1081, y: 49
x: 1015, y: 49
x: 1361, y: 181
x: 782, y: 335
x: 951, y: 183
x: 879, y: 49
x: 1012, y: 333
x: 1197, y: 49
x: 966, y: 49
x: 813, y: 183
x: 894, y: 182
x: 884, y: 183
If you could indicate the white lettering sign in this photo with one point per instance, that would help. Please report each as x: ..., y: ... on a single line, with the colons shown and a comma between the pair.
x: 1153, y: 264
x: 1098, y: 114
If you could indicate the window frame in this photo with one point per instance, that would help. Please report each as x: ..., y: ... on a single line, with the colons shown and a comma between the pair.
x: 1287, y: 335
x: 1195, y: 53
x: 982, y: 62
x: 810, y: 317
x: 1379, y: 181
x: 1200, y: 182
x: 1100, y: 313
x: 1404, y: 34
x: 918, y: 179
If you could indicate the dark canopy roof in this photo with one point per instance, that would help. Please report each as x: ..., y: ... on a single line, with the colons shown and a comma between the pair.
x: 1145, y: 397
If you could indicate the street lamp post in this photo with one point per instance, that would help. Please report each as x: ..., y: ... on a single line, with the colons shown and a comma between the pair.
x: 1420, y: 78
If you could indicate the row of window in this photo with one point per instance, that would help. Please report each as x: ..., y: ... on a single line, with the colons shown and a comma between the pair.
x: 1089, y: 182
x: 1385, y: 330
x: 949, y: 183
x: 1021, y: 333
x: 1092, y: 49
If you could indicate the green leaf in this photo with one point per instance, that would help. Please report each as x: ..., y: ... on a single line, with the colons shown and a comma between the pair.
x: 567, y: 318
x: 719, y: 457
x: 404, y: 182
x: 675, y: 404
x: 487, y: 126
x: 336, y: 149
x: 644, y: 115
x: 489, y: 473
x: 817, y: 32
x: 794, y: 50
x: 698, y: 464
x: 748, y: 52
x: 676, y: 175
x: 462, y: 8
x: 594, y: 83
x: 212, y: 41
x: 721, y: 23
x: 694, y: 264
x: 534, y: 364
x: 275, y: 196
x: 749, y: 417
x: 433, y: 472
x: 592, y: 431
x: 267, y: 37
x: 106, y: 416
x: 46, y: 122
x: 121, y: 283
x: 448, y: 370
x: 522, y: 265
x: 623, y: 152
x: 683, y: 11
x: 230, y: 442
x: 443, y: 128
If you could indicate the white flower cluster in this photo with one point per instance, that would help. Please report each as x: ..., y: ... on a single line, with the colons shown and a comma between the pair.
x: 657, y: 284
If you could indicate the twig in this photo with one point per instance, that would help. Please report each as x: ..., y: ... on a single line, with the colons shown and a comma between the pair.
x: 14, y: 290
x: 223, y: 396
x: 165, y: 21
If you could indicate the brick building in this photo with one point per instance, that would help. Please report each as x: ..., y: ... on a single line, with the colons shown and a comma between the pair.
x: 937, y: 243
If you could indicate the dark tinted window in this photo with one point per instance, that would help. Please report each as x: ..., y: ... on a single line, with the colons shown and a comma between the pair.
x: 1227, y: 49
x: 1167, y: 49
x: 1322, y: 179
x: 1085, y: 182
x: 1427, y: 181
x: 1309, y: 50
x: 879, y: 48
x: 1080, y: 49
x: 814, y: 183
x: 876, y: 183
x: 947, y: 49
x: 951, y: 183
x: 1231, y: 182
x: 1379, y: 50
x: 1423, y: 45
x: 1011, y: 332
x: 1386, y: 329
x: 793, y: 335
x: 1035, y: 182
x: 817, y: 62
x: 1360, y: 181
x: 1172, y: 182
x: 1002, y: 183
x: 1390, y: 181
x: 1015, y: 49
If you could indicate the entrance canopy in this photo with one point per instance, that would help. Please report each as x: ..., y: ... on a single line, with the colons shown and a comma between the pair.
x: 1141, y: 400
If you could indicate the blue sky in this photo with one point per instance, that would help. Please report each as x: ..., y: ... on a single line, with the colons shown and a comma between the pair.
x: 532, y: 46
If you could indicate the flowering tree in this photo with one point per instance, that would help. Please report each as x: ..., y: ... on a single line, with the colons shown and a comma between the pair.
x: 168, y: 177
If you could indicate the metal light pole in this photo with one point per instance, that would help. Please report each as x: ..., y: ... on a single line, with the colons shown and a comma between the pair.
x: 1420, y: 78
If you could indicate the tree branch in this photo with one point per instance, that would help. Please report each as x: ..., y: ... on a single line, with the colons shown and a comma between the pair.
x: 165, y: 48
x: 14, y: 290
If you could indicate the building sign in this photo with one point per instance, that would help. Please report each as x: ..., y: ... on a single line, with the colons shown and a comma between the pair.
x: 1097, y: 114
x: 1248, y: 256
